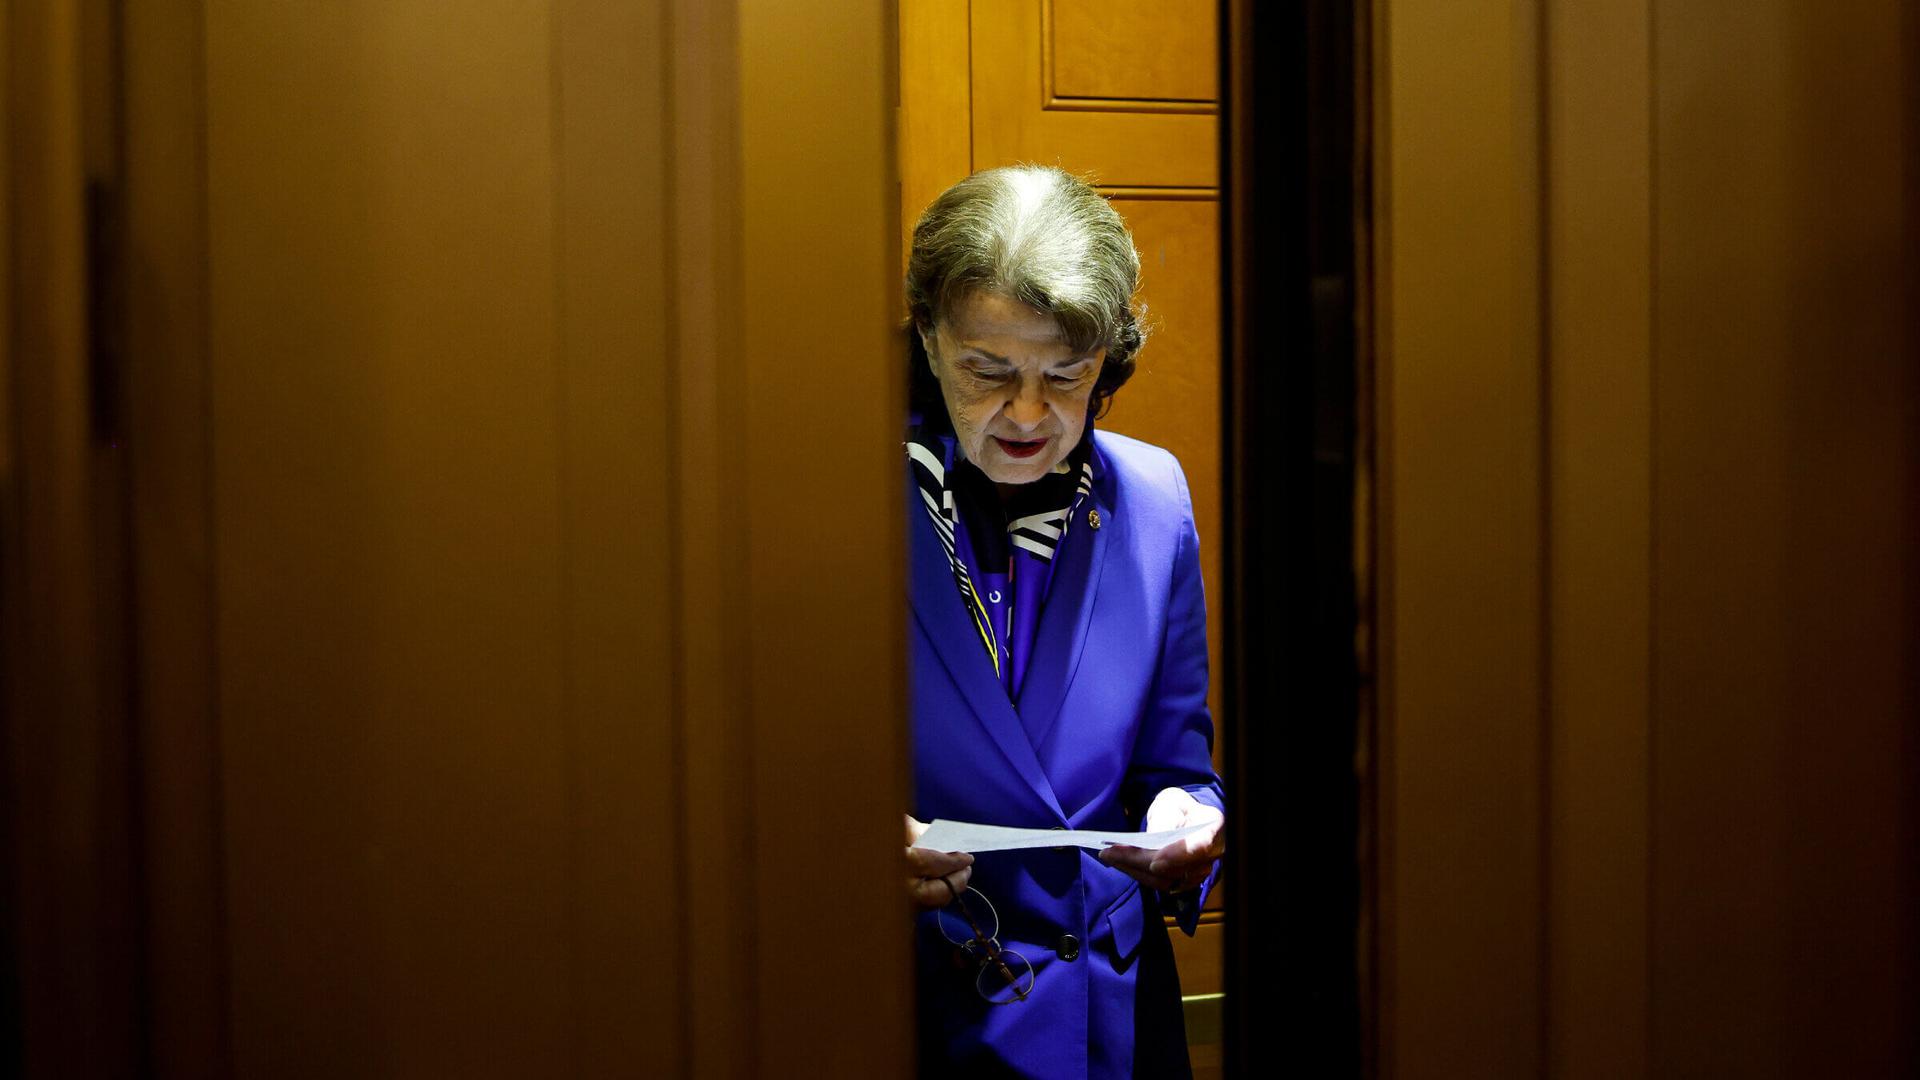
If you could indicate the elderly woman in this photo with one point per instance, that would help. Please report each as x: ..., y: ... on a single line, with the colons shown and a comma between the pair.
x: 1058, y: 646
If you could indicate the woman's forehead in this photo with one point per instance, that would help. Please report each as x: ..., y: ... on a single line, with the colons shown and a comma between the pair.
x: 982, y: 318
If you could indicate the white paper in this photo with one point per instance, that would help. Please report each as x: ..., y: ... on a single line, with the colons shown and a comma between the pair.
x: 942, y: 835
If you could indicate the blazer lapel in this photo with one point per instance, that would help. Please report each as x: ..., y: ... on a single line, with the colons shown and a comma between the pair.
x: 1067, y: 615
x: 943, y: 618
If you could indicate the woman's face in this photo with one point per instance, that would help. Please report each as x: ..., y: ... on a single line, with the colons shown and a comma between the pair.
x: 1016, y: 393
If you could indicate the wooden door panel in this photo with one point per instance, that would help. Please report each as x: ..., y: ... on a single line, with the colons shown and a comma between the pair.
x: 1132, y: 55
x: 1016, y: 119
x: 1173, y: 399
x: 936, y: 107
x: 1199, y: 958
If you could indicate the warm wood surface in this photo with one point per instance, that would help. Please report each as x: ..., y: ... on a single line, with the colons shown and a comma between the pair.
x: 387, y: 532
x: 1198, y: 957
x: 703, y: 261
x: 1600, y: 275
x: 612, y: 133
x: 1201, y: 980
x: 473, y: 698
x: 1012, y: 121
x: 1137, y: 51
x: 1786, y: 539
x: 936, y: 93
x: 827, y: 624
x: 1173, y: 399
x: 1648, y: 547
x: 166, y: 229
x: 1459, y: 468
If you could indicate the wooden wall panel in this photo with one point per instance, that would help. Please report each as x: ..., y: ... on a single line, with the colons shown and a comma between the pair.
x: 1012, y: 123
x: 464, y: 678
x: 1173, y: 399
x: 825, y: 681
x: 614, y: 373
x: 712, y: 854
x: 936, y: 108
x: 1785, y: 540
x: 1134, y: 54
x: 386, y: 523
x: 1460, y: 559
x: 165, y: 283
x: 1599, y: 278
x: 1722, y: 789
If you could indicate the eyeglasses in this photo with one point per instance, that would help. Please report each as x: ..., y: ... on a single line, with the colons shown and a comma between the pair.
x: 1003, y: 976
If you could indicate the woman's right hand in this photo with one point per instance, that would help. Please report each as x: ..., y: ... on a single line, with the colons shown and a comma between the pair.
x: 934, y: 878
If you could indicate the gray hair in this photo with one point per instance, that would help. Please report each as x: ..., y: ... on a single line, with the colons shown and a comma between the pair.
x: 1043, y: 237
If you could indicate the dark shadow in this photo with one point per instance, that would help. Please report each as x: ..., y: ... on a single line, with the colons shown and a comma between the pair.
x: 1296, y: 741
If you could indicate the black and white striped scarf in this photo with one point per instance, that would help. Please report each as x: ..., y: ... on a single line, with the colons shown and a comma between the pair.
x: 1038, y: 533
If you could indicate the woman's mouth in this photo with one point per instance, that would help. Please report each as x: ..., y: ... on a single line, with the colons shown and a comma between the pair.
x: 1020, y: 449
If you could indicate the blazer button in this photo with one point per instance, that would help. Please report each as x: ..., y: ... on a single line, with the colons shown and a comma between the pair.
x: 1068, y: 949
x: 1060, y: 828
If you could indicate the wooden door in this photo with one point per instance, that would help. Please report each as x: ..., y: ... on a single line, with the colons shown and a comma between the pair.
x: 1124, y: 91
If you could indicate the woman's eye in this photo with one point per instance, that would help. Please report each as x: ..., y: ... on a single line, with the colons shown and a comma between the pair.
x: 1067, y: 379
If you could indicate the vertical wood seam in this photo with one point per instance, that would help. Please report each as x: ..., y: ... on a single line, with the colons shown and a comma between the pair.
x: 1586, y: 967
x: 1650, y: 1033
x: 563, y: 549
x: 676, y: 712
x: 973, y: 153
x: 714, y: 843
x: 1542, y: 301
x: 216, y: 734
x: 202, y: 159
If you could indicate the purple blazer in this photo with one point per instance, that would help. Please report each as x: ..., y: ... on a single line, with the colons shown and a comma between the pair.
x: 1113, y: 709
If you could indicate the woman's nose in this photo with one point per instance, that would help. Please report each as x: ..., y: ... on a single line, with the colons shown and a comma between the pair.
x: 1029, y: 405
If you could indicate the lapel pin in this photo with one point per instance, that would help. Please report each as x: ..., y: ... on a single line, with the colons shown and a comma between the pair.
x: 1093, y: 519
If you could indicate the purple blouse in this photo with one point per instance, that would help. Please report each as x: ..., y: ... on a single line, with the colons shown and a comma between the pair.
x: 1002, y: 549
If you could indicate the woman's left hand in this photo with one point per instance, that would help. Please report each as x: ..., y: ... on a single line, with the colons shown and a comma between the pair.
x: 1183, y: 864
